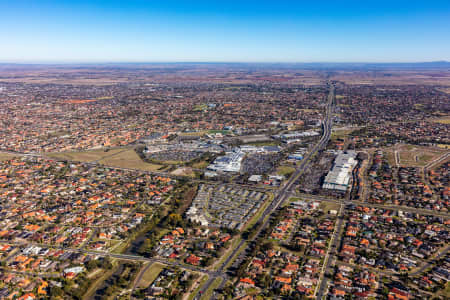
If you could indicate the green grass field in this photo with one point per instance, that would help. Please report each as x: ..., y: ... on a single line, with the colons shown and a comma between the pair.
x: 195, y: 292
x: 341, y: 132
x: 285, y: 171
x: 446, y: 292
x: 234, y: 244
x: 327, y: 206
x: 208, y: 293
x: 258, y: 214
x: 244, y: 245
x: 200, y: 107
x: 150, y: 275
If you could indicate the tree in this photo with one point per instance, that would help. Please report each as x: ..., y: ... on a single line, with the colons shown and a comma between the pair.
x: 106, y: 263
x: 207, y: 261
x: 109, y: 290
x: 174, y: 219
x: 122, y: 282
x: 92, y: 264
x: 56, y: 292
x: 267, y: 246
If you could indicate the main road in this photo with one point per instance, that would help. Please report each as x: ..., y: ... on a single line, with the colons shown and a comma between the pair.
x: 285, y: 191
x: 281, y: 195
x: 327, y: 263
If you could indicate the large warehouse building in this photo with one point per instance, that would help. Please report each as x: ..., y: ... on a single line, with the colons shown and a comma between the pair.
x: 338, y: 178
x: 231, y: 162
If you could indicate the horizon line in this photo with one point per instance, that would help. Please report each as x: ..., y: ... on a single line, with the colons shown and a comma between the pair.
x: 37, y: 62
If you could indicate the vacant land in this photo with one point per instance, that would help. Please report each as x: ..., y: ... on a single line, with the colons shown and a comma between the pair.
x: 390, y: 156
x: 417, y: 156
x: 285, y: 171
x: 327, y: 206
x: 150, y: 275
x: 184, y: 171
x: 194, y: 133
x: 392, y: 77
x: 6, y: 156
x: 443, y: 146
x: 128, y: 159
x: 118, y: 157
x: 85, y: 156
x: 201, y: 165
x: 442, y: 120
x: 342, y: 131
x: 413, y: 155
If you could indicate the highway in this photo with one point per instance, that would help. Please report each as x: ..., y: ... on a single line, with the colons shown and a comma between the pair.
x: 281, y: 195
x: 285, y: 191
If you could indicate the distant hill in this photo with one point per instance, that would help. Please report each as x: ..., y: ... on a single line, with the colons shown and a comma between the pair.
x: 368, y: 65
x: 314, y: 65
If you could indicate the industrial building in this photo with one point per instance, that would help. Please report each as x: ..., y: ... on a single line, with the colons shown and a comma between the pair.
x: 296, y: 135
x: 297, y: 155
x: 260, y: 149
x: 338, y: 178
x: 231, y: 162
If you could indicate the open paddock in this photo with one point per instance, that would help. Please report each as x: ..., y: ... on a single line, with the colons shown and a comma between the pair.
x: 6, y: 156
x: 117, y: 157
x: 441, y: 120
x: 84, y: 156
x: 128, y: 159
x: 150, y: 275
x: 413, y: 155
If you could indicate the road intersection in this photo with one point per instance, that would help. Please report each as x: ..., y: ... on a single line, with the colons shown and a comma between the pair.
x: 281, y: 195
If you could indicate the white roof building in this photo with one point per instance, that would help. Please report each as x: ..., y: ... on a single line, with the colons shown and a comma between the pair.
x: 338, y: 177
x: 231, y: 162
x: 74, y: 270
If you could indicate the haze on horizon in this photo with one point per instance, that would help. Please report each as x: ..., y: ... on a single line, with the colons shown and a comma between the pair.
x: 219, y: 31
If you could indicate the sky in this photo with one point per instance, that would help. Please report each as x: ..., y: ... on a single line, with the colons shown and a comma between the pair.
x: 224, y: 31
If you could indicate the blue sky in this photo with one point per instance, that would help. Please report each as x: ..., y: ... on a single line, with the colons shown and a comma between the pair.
x: 238, y: 31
